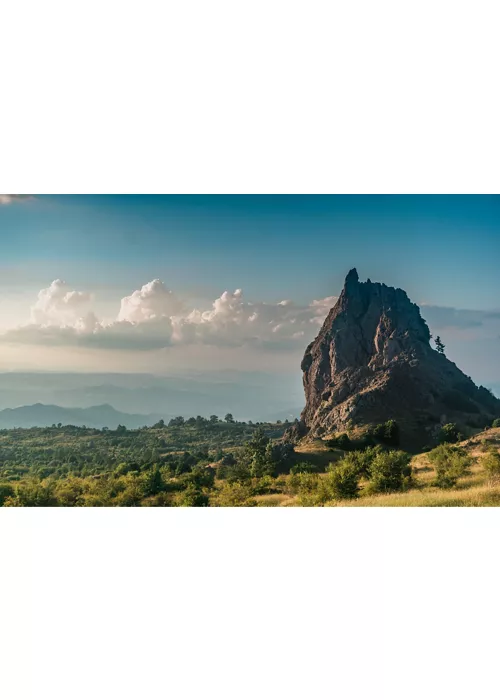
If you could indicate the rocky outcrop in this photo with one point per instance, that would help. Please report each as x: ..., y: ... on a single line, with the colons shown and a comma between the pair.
x: 372, y: 361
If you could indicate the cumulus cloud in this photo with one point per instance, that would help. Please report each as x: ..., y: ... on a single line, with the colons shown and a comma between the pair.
x: 58, y: 305
x: 10, y: 198
x: 153, y: 317
x: 234, y: 321
x: 152, y: 301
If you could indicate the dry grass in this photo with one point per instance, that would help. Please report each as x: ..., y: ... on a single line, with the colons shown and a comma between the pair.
x: 475, y: 496
x: 474, y: 490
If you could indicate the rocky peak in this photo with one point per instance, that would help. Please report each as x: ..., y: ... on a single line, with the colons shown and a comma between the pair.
x: 372, y: 361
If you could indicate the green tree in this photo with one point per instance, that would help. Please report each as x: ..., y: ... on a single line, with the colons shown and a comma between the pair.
x: 343, y: 479
x: 153, y: 481
x: 491, y: 463
x: 389, y: 471
x: 451, y: 463
x: 449, y: 433
x: 229, y: 418
x: 192, y: 497
x: 440, y: 346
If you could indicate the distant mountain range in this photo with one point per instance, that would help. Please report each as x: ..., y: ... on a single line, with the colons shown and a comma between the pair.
x: 247, y: 395
x: 41, y: 415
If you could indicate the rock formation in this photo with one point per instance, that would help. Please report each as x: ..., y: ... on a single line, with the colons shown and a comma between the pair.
x: 372, y: 361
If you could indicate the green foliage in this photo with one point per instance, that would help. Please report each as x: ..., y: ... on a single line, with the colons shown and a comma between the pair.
x: 361, y: 460
x: 440, y: 346
x: 76, y: 466
x: 491, y: 463
x: 262, y: 457
x: 343, y: 479
x: 451, y: 463
x: 233, y: 495
x: 387, y: 432
x: 496, y: 423
x: 6, y: 491
x: 304, y: 468
x: 450, y: 433
x: 191, y: 497
x: 33, y: 493
x: 389, y: 471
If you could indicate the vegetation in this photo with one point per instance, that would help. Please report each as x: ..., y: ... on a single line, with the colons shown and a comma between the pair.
x: 387, y: 433
x: 450, y: 433
x: 440, y: 346
x: 202, y: 462
x: 389, y: 471
x: 451, y: 463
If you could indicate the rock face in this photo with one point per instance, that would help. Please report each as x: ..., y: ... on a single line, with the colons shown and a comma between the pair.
x: 372, y: 361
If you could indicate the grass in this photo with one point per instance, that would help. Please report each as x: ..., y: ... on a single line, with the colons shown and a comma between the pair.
x: 474, y: 490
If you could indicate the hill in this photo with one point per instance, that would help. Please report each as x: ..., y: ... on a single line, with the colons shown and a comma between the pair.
x: 372, y: 361
x: 41, y: 415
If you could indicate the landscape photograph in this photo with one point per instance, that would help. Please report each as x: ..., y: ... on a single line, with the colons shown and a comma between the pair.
x: 250, y: 351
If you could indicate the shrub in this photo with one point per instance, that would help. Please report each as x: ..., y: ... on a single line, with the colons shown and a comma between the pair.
x: 191, y: 497
x: 451, y: 463
x: 389, y: 471
x: 343, y: 479
x: 304, y: 468
x: 233, y: 495
x: 491, y: 463
x: 6, y: 491
x: 496, y: 423
x: 33, y: 494
x: 449, y: 433
x: 362, y: 459
x: 387, y: 433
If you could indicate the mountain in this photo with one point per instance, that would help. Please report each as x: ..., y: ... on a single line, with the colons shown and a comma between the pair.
x: 40, y: 415
x: 247, y: 395
x: 372, y: 361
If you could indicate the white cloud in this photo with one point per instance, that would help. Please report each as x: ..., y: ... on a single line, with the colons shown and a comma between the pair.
x: 153, y: 317
x: 58, y: 305
x: 152, y: 301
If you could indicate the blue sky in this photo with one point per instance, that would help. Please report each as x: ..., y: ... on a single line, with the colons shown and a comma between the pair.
x: 443, y: 250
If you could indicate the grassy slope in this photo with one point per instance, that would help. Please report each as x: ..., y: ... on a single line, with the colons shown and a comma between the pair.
x: 473, y: 490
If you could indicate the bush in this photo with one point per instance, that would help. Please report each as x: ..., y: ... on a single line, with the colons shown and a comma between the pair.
x: 389, y: 471
x: 496, y: 423
x: 343, y: 479
x: 232, y: 495
x: 451, y: 463
x: 491, y: 463
x: 304, y: 468
x: 33, y: 494
x: 449, y: 433
x: 6, y: 491
x: 387, y: 432
x: 362, y: 459
x: 191, y: 497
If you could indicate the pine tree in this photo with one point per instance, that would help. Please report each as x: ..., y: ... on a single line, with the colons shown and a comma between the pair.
x: 440, y: 346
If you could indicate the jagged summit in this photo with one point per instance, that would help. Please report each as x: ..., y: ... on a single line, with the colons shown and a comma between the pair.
x: 372, y: 361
